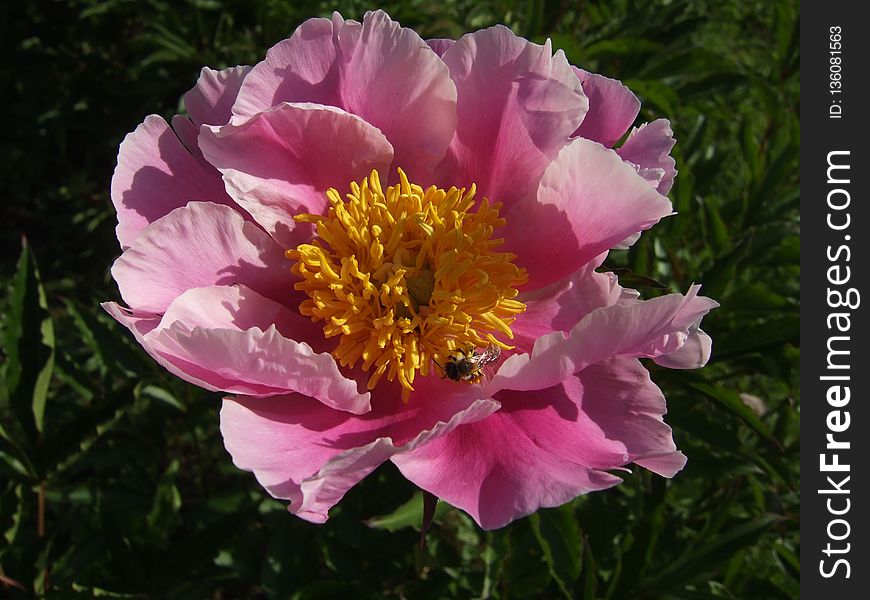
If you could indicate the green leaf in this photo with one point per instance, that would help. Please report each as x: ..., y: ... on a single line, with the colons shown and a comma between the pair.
x: 187, y: 552
x: 590, y: 573
x: 106, y: 341
x: 644, y: 535
x: 67, y: 445
x: 559, y: 536
x: 630, y: 279
x: 409, y: 514
x: 771, y: 334
x: 161, y: 395
x: 660, y: 96
x: 699, y: 561
x: 621, y: 46
x: 12, y: 505
x: 722, y: 273
x: 732, y: 401
x: 324, y: 590
x: 716, y: 226
x: 497, y: 548
x: 167, y: 502
x: 29, y: 346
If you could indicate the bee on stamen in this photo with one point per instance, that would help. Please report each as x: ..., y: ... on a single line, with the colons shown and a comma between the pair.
x: 467, y: 365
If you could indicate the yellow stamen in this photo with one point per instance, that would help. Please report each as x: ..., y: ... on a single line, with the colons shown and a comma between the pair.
x: 405, y: 276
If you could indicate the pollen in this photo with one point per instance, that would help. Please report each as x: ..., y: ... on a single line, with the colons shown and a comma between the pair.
x: 404, y: 278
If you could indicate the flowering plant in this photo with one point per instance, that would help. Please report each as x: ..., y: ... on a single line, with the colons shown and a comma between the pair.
x: 385, y: 248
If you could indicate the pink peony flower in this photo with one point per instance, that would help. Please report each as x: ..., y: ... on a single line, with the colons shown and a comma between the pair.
x: 339, y: 236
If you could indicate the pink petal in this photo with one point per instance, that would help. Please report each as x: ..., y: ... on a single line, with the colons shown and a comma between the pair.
x: 612, y: 108
x: 588, y: 201
x: 211, y: 100
x: 694, y: 353
x: 440, y: 45
x: 140, y: 324
x: 237, y: 341
x: 559, y: 306
x: 199, y: 245
x: 245, y: 309
x: 648, y: 147
x: 304, y: 452
x: 281, y: 162
x: 649, y: 328
x: 628, y: 242
x: 304, y: 68
x: 539, y: 450
x: 239, y: 307
x: 517, y: 104
x: 378, y: 70
x: 187, y: 132
x: 156, y: 174
x: 620, y: 398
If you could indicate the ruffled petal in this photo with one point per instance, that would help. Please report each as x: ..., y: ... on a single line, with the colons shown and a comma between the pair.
x: 440, y: 45
x: 649, y: 328
x: 187, y: 132
x: 544, y: 448
x: 539, y: 450
x: 378, y: 70
x: 612, y: 108
x: 628, y: 242
x: 694, y: 353
x: 211, y: 100
x: 281, y: 162
x: 648, y: 147
x: 301, y: 451
x: 620, y: 397
x: 239, y: 307
x: 517, y: 105
x: 140, y: 324
x: 588, y: 201
x: 559, y: 306
x: 156, y: 174
x: 303, y: 68
x: 198, y: 245
x: 235, y: 340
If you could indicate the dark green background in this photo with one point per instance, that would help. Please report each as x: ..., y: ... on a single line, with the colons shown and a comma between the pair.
x: 140, y: 498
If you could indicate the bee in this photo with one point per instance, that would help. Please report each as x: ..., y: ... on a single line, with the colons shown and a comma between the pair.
x: 468, y: 365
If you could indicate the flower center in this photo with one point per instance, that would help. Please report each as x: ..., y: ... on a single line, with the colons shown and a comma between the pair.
x: 406, y: 277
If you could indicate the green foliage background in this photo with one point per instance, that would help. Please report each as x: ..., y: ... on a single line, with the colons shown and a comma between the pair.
x: 113, y: 477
